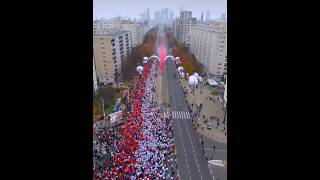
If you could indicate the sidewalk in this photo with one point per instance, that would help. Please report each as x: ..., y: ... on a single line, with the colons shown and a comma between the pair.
x: 213, y: 111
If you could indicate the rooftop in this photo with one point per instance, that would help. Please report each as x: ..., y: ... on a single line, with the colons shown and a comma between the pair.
x: 111, y: 33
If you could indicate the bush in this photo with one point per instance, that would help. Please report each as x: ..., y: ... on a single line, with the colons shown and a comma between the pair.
x: 215, y: 92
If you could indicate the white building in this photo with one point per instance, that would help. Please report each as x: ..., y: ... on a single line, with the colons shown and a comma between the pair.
x: 182, y: 26
x: 137, y: 30
x: 95, y: 83
x: 103, y: 26
x: 207, y: 43
x: 110, y: 51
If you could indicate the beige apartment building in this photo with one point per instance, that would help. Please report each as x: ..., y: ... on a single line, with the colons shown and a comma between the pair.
x: 208, y: 44
x: 137, y: 30
x: 110, y: 51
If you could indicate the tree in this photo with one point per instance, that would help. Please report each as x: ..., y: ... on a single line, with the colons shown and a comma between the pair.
x: 147, y: 49
x: 183, y: 47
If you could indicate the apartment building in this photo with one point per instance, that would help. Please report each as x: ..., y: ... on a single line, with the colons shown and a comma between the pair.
x: 181, y: 27
x: 137, y: 30
x: 103, y: 26
x: 110, y: 51
x: 208, y: 44
x: 95, y: 83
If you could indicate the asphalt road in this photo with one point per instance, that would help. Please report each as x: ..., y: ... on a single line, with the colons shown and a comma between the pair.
x: 192, y: 163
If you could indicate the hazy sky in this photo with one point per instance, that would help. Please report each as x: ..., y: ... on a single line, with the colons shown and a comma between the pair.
x: 133, y: 8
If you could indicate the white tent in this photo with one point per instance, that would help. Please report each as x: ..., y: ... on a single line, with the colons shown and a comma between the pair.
x: 139, y: 69
x: 196, y: 75
x: 212, y: 82
x: 180, y: 68
x: 145, y: 60
x: 192, y: 80
x: 181, y: 74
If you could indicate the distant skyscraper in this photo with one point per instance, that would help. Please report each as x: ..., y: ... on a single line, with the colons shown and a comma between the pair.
x: 223, y: 16
x: 208, y: 16
x: 202, y: 17
x: 171, y: 15
x: 157, y: 16
x: 148, y: 15
x: 164, y: 15
x: 181, y: 9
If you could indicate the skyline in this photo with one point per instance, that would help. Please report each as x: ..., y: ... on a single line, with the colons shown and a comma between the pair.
x: 125, y: 8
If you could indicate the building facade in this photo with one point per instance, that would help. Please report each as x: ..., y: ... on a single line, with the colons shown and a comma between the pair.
x: 182, y: 26
x: 95, y: 83
x: 225, y: 93
x: 208, y: 44
x: 137, y: 32
x: 110, y: 51
x: 104, y: 26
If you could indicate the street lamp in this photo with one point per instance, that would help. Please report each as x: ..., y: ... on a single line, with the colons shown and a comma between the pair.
x: 104, y: 114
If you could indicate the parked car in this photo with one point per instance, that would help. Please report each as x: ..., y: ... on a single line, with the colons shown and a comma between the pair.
x: 209, y: 125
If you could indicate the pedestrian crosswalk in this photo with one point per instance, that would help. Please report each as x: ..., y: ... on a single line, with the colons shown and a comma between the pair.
x: 216, y: 162
x: 180, y: 115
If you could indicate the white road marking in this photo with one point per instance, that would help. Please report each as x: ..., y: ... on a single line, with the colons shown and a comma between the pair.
x: 180, y: 115
x: 216, y: 162
x: 184, y: 116
x: 194, y: 154
x: 184, y: 149
x: 188, y: 115
x: 216, y: 150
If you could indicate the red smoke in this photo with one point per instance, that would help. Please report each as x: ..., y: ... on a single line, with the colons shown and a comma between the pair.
x: 162, y: 56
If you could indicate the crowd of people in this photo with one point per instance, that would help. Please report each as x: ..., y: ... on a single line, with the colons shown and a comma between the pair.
x: 144, y: 149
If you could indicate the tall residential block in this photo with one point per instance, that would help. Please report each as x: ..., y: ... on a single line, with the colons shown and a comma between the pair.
x: 95, y: 83
x: 104, y: 26
x: 208, y: 44
x: 181, y: 26
x: 110, y: 51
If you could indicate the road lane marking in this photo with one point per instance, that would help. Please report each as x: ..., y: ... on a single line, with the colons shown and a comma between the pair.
x: 180, y: 115
x: 219, y: 150
x: 185, y: 154
x: 194, y: 154
x: 216, y: 162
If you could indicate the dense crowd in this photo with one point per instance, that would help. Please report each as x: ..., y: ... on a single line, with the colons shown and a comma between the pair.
x: 144, y: 149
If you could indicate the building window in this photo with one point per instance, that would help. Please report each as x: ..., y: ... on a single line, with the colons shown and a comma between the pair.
x: 101, y: 39
x: 102, y: 47
x: 103, y: 52
x: 104, y: 65
x: 218, y: 72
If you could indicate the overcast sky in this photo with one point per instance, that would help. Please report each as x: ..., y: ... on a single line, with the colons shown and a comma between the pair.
x: 133, y: 8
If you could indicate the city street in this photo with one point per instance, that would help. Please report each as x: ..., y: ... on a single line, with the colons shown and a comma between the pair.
x: 191, y: 159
